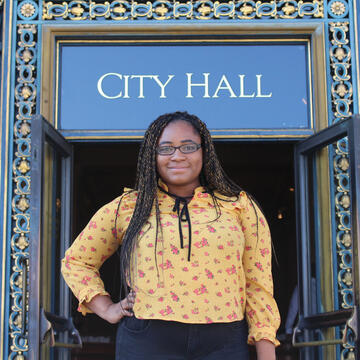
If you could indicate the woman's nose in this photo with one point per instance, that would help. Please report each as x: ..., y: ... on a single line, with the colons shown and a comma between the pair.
x: 177, y: 154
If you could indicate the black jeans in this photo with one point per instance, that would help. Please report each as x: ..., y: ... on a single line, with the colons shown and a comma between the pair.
x: 169, y: 340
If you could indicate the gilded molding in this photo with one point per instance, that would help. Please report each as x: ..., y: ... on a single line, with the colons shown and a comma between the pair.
x: 121, y: 10
x: 25, y: 102
x: 342, y: 107
x: 340, y: 63
x: 338, y: 9
x: 27, y: 10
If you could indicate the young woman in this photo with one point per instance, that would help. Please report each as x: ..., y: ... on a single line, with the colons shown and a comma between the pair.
x: 195, y: 255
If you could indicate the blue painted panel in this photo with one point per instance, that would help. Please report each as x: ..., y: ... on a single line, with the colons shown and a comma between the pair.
x: 244, y: 86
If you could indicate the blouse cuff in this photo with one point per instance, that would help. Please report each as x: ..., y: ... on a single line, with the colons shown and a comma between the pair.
x: 262, y: 335
x: 86, y: 295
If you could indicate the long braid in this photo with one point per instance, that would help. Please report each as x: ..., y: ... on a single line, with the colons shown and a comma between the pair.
x: 212, y: 178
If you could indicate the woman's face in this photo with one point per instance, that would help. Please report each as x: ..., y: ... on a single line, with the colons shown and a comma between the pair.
x: 180, y: 172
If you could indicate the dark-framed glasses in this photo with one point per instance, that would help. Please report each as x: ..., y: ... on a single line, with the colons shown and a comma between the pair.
x: 185, y: 149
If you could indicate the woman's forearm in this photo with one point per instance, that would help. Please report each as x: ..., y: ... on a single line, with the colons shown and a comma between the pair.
x: 99, y: 304
x: 265, y: 350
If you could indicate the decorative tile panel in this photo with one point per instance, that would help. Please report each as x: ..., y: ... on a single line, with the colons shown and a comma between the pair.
x: 175, y: 10
x: 340, y: 63
x: 25, y: 104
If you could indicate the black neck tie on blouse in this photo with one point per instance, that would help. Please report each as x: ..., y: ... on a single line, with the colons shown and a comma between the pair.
x: 183, y: 216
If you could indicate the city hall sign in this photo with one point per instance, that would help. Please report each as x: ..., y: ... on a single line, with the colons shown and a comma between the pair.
x: 222, y: 87
x: 229, y: 85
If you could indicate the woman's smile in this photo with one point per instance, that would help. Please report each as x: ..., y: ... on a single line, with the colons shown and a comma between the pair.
x: 178, y: 167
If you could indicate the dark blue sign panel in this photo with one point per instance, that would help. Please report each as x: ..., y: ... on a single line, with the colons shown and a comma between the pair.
x: 233, y: 85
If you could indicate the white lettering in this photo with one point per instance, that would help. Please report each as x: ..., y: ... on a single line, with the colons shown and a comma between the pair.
x: 258, y: 91
x: 141, y: 83
x: 226, y: 87
x: 242, y: 88
x: 204, y: 84
x: 126, y: 87
x: 223, y: 85
x: 162, y: 86
x: 100, y: 89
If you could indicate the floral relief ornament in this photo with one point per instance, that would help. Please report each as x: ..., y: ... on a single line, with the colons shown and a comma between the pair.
x: 204, y: 10
x: 289, y: 9
x: 24, y: 167
x: 26, y: 55
x: 161, y: 10
x: 340, y: 54
x: 338, y: 8
x: 341, y: 90
x: 27, y: 9
x: 247, y: 9
x: 77, y: 11
x: 119, y: 9
x: 22, y: 243
x: 347, y: 240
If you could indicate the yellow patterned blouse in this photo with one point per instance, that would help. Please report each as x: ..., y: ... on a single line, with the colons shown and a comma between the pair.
x: 228, y: 275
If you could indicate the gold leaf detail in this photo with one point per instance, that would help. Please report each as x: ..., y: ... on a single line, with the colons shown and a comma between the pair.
x: 24, y: 167
x: 19, y: 357
x: 341, y: 90
x: 119, y: 9
x: 77, y: 11
x: 23, y: 204
x: 345, y: 201
x: 340, y: 53
x: 24, y: 129
x: 204, y: 10
x: 18, y: 281
x: 344, y: 164
x: 26, y: 92
x: 337, y: 8
x: 17, y: 321
x: 348, y: 278
x: 27, y: 10
x: 346, y: 240
x: 288, y: 9
x: 27, y: 27
x: 247, y: 9
x: 161, y: 10
x: 26, y: 55
x: 22, y: 242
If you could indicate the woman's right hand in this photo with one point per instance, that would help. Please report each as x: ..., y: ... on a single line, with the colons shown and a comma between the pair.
x: 109, y: 311
x: 116, y: 311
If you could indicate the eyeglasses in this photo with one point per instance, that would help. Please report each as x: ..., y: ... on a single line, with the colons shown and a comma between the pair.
x: 185, y: 149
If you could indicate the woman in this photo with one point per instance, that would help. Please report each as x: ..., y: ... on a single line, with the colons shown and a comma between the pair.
x: 195, y: 255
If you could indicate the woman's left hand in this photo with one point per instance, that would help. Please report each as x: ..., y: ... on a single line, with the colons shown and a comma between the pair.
x: 265, y: 350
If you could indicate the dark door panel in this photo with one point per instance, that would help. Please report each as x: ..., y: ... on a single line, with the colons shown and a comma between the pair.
x: 323, y: 318
x: 51, y: 157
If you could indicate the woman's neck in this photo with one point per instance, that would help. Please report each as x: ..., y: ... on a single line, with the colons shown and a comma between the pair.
x: 185, y: 191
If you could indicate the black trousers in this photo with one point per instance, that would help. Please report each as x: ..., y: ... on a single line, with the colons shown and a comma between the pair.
x: 169, y: 340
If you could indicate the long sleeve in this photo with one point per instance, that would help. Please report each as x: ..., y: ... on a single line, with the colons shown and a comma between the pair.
x: 261, y: 310
x: 82, y: 261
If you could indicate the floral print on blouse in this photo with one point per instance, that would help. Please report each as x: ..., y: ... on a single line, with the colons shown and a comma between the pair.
x: 228, y: 275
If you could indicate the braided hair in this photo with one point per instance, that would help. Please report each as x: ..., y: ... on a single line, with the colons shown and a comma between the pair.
x: 212, y: 177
